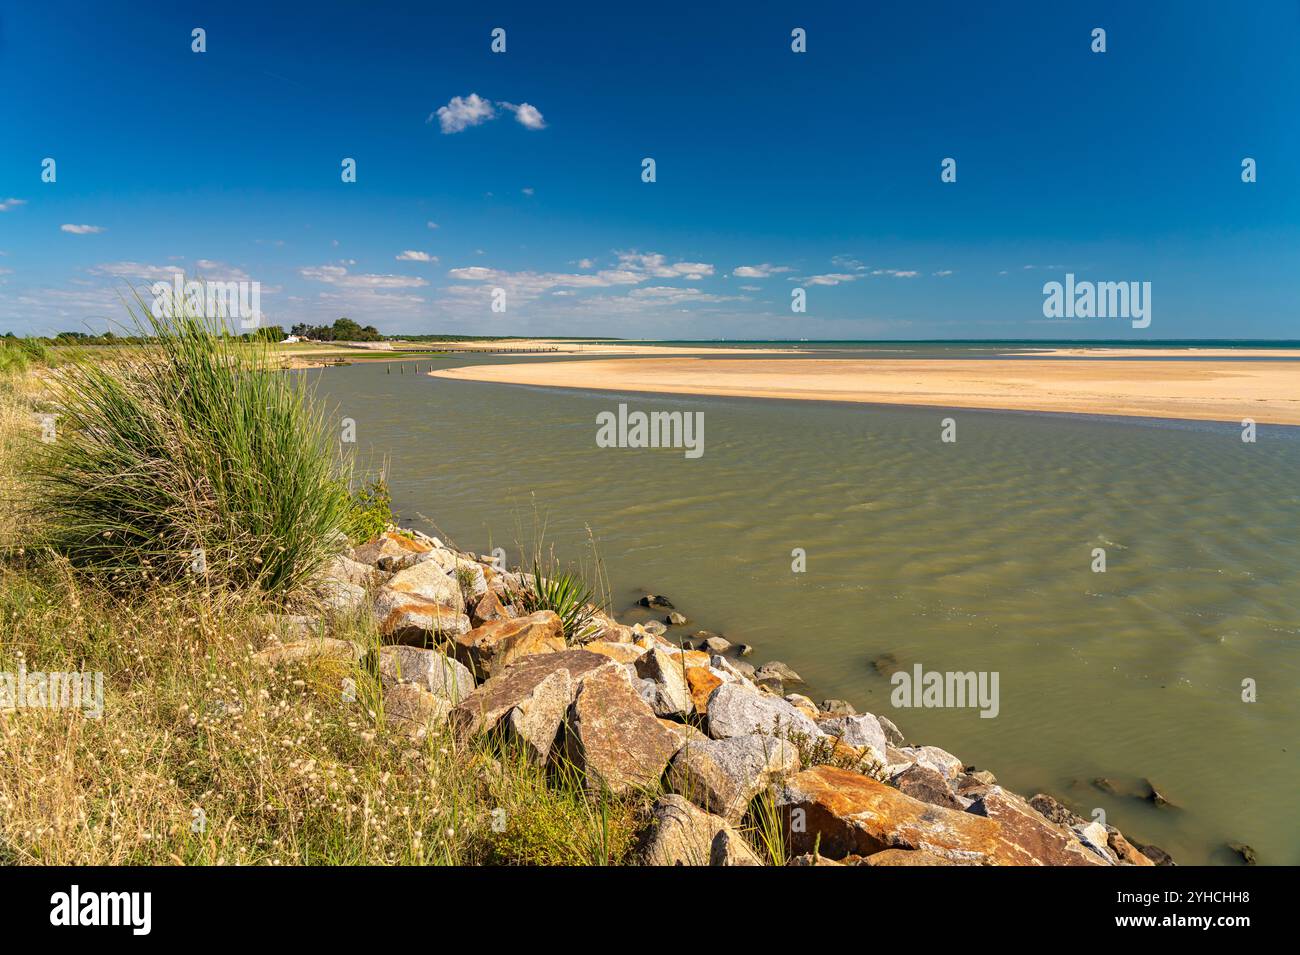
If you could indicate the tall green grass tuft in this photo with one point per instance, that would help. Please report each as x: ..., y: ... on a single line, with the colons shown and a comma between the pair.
x: 191, y: 455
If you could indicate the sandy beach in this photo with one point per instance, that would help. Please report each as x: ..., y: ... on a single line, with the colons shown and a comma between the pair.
x: 1213, y: 390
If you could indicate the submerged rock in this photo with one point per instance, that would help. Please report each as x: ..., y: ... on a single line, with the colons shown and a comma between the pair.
x: 658, y: 601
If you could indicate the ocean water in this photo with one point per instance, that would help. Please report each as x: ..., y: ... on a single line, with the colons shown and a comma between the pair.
x: 970, y: 556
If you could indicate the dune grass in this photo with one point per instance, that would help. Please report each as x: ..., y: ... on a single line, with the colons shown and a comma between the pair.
x: 192, y: 455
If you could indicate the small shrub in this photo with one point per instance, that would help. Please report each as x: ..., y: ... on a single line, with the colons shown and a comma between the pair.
x: 372, y: 511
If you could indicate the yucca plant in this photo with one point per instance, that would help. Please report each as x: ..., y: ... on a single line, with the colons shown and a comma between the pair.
x: 563, y: 591
x: 191, y: 455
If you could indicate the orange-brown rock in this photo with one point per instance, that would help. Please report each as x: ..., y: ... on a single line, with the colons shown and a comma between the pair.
x: 701, y: 681
x: 854, y: 814
x: 614, y: 737
x: 522, y: 685
x: 410, y: 618
x: 905, y: 857
x: 620, y: 652
x: 489, y: 649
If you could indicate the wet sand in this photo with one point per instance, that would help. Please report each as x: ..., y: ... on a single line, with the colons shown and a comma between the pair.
x: 1209, y: 390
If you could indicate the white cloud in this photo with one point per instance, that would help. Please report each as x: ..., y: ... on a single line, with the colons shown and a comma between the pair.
x: 896, y: 273
x: 759, y: 271
x: 528, y: 190
x: 528, y: 116
x: 657, y: 266
x: 942, y: 273
x: 81, y: 229
x: 848, y: 262
x: 431, y: 224
x: 585, y: 263
x: 7, y: 204
x: 830, y: 278
x: 414, y: 255
x: 751, y: 288
x: 463, y: 112
x: 340, y: 276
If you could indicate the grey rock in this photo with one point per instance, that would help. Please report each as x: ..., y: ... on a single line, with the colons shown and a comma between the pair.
x: 779, y: 670
x: 837, y: 708
x: 723, y: 776
x: 860, y: 731
x: 672, y: 694
x: 438, y: 674
x: 737, y: 710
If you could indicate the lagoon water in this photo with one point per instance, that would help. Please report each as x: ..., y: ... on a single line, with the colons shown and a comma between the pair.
x: 970, y: 556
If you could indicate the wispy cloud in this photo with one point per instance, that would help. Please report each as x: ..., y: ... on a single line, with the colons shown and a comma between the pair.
x: 830, y: 278
x: 81, y: 229
x: 897, y: 273
x: 414, y: 255
x: 7, y: 204
x: 340, y: 276
x: 759, y: 271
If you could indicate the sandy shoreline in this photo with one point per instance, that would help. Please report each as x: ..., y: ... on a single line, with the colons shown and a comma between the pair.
x: 1212, y: 390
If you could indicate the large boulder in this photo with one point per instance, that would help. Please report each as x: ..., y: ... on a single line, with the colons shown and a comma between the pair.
x: 682, y: 834
x: 430, y: 581
x: 438, y: 674
x: 860, y: 731
x: 722, y: 776
x: 1026, y: 837
x: 522, y: 685
x: 414, y: 711
x: 941, y: 761
x: 702, y: 681
x: 850, y: 814
x: 391, y: 551
x: 613, y: 737
x: 736, y: 709
x: 409, y: 618
x: 906, y: 857
x: 341, y: 567
x: 340, y: 596
x: 489, y: 649
x: 535, y: 722
x: 921, y: 782
x: 672, y: 695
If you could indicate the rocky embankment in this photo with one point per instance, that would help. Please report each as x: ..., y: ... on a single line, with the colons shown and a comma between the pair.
x: 718, y: 738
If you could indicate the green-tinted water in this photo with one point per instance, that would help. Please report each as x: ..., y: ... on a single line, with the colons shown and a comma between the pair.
x: 968, y: 556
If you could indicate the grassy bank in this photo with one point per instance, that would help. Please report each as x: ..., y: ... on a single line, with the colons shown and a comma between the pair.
x: 203, y: 755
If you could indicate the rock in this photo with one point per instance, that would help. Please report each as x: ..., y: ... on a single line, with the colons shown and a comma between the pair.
x: 520, y: 685
x: 413, y: 710
x: 716, y: 644
x: 1055, y: 811
x: 935, y: 758
x: 438, y: 674
x: 656, y: 600
x: 351, y: 571
x: 489, y: 608
x: 678, y: 834
x: 701, y: 681
x: 778, y: 670
x: 886, y: 664
x: 921, y: 782
x: 408, y: 618
x: 722, y: 776
x: 613, y: 737
x: 736, y: 710
x: 744, y: 649
x: 470, y: 578
x: 1155, y: 796
x: 430, y: 581
x: 811, y: 859
x: 1153, y: 852
x: 731, y: 672
x: 1246, y: 852
x: 906, y: 857
x: 852, y: 814
x: 309, y: 649
x: 672, y: 696
x: 859, y: 731
x: 621, y: 652
x: 675, y: 619
x: 837, y: 708
x: 1094, y: 836
x: 490, y: 648
x: 729, y: 848
x: 1026, y: 836
x: 804, y: 705
x: 391, y: 551
x: 340, y: 596
x: 652, y: 627
x: 770, y: 684
x: 535, y: 722
x: 892, y: 732
x: 1123, y: 850
x: 685, y: 732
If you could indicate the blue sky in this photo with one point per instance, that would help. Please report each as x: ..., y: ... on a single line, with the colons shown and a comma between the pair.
x: 775, y: 170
